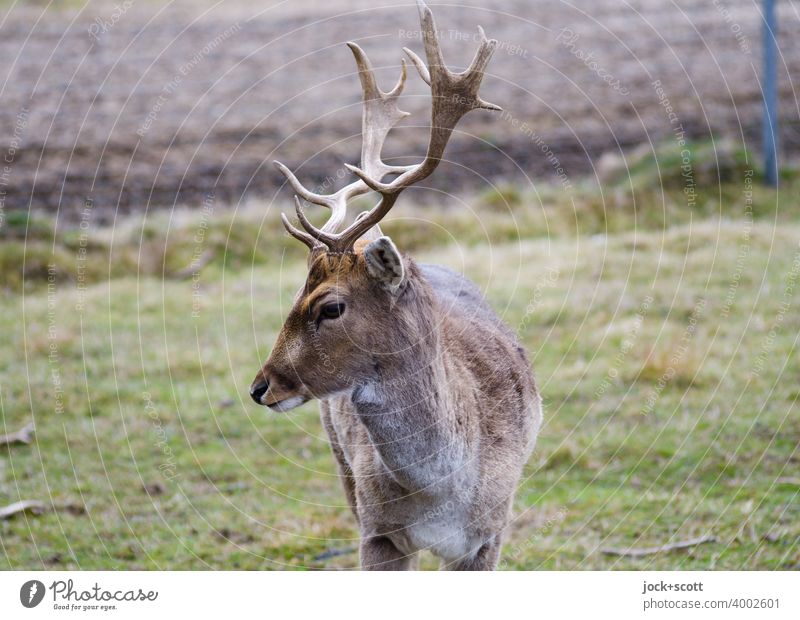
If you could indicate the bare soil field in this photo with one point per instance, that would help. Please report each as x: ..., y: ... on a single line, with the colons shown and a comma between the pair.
x: 147, y: 104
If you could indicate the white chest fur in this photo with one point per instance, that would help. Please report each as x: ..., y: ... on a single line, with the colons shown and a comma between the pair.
x: 442, y: 529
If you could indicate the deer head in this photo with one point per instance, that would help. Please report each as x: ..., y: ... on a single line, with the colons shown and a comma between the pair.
x: 348, y: 309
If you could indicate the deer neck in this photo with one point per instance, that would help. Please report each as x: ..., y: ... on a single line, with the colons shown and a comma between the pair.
x: 413, y: 375
x: 407, y: 409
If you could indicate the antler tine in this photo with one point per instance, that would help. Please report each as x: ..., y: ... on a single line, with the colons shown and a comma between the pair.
x: 433, y: 51
x: 332, y: 201
x: 380, y: 113
x: 305, y: 194
x: 421, y: 68
x: 298, y: 234
x: 320, y: 235
x: 453, y: 95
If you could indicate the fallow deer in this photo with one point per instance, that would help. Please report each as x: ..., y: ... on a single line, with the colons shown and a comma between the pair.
x: 427, y: 397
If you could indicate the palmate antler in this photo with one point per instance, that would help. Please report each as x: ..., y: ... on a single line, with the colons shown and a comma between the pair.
x: 452, y: 96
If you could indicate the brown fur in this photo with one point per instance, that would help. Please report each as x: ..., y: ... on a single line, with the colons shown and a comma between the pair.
x: 428, y: 401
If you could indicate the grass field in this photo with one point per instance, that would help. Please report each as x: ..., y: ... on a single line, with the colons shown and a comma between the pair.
x: 664, y: 343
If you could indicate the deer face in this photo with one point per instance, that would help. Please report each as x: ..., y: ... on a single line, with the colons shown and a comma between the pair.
x: 340, y: 321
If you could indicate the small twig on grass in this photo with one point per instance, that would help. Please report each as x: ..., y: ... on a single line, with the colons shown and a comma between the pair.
x: 638, y: 553
x: 28, y: 505
x: 332, y: 553
x: 23, y: 435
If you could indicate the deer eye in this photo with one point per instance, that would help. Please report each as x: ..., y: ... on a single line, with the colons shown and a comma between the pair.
x: 332, y: 311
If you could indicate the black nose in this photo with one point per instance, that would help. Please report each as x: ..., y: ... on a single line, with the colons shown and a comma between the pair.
x: 258, y: 390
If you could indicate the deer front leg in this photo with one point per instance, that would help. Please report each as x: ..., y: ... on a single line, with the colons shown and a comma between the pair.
x: 345, y: 471
x: 380, y: 553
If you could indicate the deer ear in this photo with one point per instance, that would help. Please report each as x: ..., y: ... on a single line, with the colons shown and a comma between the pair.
x: 384, y: 263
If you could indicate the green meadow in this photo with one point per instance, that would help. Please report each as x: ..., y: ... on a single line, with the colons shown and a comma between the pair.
x: 663, y: 334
